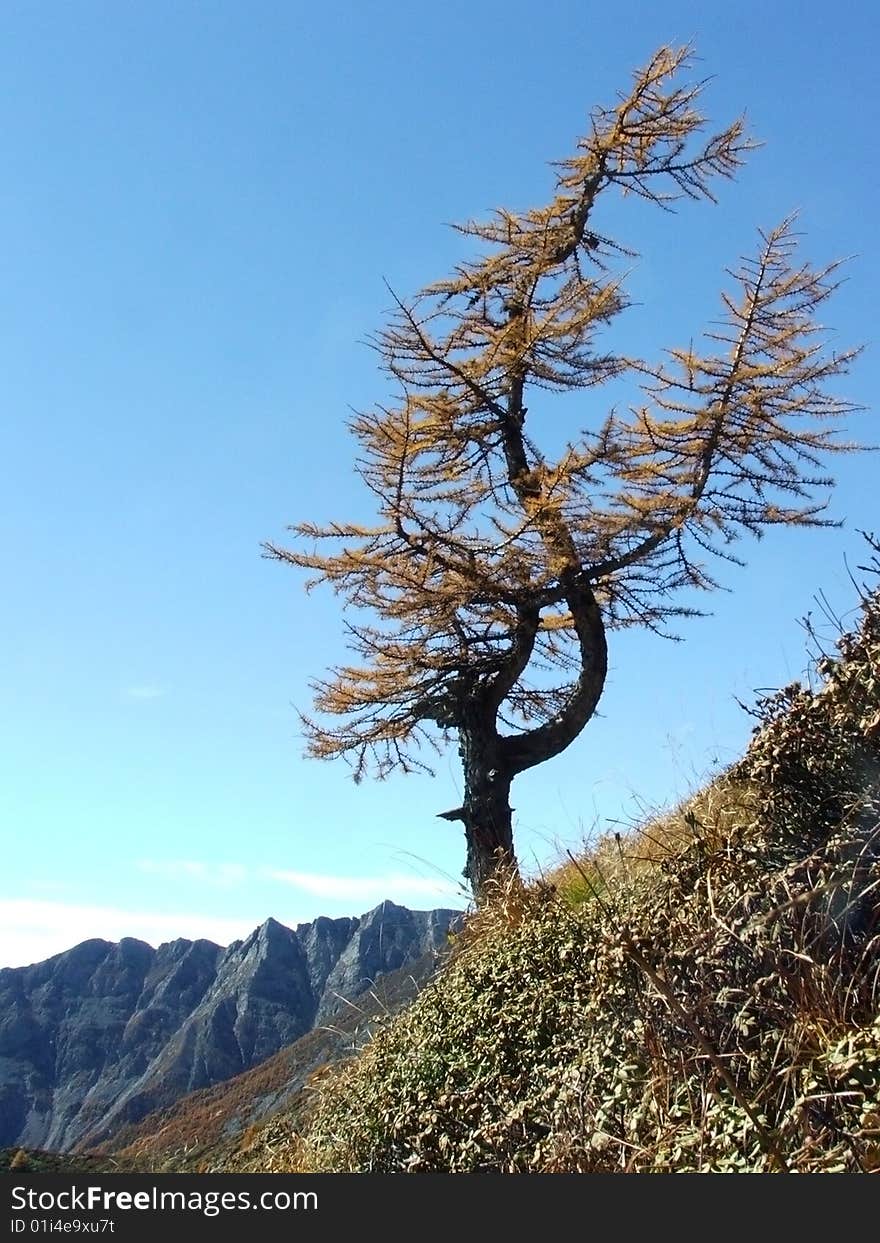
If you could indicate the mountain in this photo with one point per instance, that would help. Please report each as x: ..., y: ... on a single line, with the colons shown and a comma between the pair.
x: 96, y: 1038
x: 217, y: 1123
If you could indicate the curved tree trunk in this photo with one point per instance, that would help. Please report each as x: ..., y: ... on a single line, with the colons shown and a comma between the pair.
x: 491, y: 761
x: 488, y: 832
x: 486, y: 809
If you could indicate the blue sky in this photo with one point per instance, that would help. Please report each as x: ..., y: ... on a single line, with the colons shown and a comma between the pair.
x: 199, y: 204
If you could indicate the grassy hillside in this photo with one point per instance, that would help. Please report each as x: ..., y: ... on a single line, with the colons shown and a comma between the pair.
x: 34, y: 1161
x: 701, y: 996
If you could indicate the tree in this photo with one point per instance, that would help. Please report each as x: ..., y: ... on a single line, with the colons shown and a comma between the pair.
x: 495, y: 571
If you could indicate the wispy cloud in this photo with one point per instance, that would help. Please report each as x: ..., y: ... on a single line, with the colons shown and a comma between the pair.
x: 397, y: 886
x: 360, y: 892
x: 33, y: 929
x: 222, y: 874
x: 145, y: 690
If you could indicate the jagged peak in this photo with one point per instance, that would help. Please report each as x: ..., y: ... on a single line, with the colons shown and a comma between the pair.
x: 183, y: 945
x: 385, y: 907
x: 273, y: 925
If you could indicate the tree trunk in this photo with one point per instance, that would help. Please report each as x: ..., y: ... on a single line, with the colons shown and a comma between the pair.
x: 486, y: 809
x: 491, y: 761
x: 489, y: 834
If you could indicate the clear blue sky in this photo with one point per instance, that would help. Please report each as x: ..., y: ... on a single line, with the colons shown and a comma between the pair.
x: 199, y: 204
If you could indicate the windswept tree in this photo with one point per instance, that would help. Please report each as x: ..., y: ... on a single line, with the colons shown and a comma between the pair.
x: 483, y: 595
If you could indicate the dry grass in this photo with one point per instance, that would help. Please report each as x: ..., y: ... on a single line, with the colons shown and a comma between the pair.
x: 701, y: 995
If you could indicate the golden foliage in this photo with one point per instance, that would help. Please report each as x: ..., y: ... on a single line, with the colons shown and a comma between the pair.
x: 493, y: 569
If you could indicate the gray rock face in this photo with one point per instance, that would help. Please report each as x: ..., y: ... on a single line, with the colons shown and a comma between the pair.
x: 103, y: 1034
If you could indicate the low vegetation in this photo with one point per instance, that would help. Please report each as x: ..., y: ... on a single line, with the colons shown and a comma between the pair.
x: 35, y: 1161
x: 700, y: 996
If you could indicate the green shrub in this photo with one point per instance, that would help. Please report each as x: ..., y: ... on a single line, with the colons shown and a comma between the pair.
x: 711, y: 1009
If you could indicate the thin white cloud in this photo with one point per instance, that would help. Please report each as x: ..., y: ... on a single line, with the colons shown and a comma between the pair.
x: 32, y: 929
x: 360, y: 891
x: 222, y: 874
x: 398, y: 887
x: 146, y: 690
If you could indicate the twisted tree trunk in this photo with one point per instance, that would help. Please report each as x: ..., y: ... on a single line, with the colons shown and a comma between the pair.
x: 486, y: 810
x: 490, y: 760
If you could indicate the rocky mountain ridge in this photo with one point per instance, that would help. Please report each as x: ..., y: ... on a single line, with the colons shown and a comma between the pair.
x: 97, y: 1037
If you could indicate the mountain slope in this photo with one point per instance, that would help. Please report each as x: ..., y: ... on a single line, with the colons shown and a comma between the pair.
x: 699, y: 997
x: 217, y: 1122
x: 99, y: 1036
